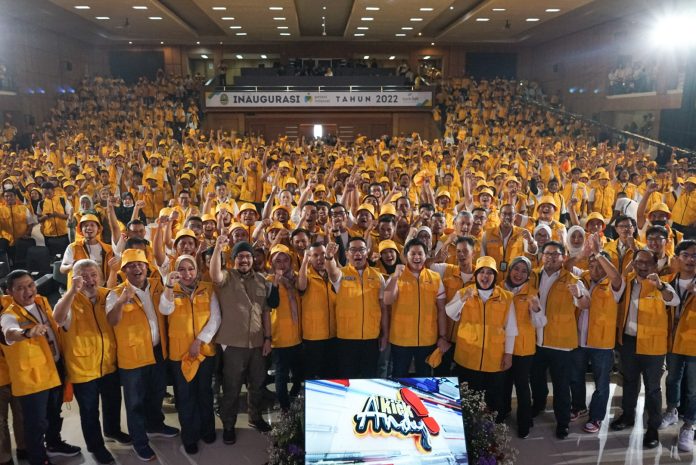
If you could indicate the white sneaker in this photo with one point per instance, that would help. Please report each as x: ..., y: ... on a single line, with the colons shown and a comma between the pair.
x: 686, y: 439
x: 669, y: 418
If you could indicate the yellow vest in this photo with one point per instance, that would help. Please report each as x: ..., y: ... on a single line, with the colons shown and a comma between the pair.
x: 13, y: 222
x: 561, y: 330
x: 525, y: 342
x: 481, y: 336
x: 30, y: 362
x: 604, y: 201
x: 133, y: 336
x: 53, y: 227
x: 452, y: 281
x: 5, y: 301
x: 601, y: 324
x: 318, y: 308
x: 653, y: 320
x: 620, y: 262
x: 89, y: 346
x: 492, y: 245
x: 685, y: 332
x: 80, y: 253
x: 684, y: 210
x: 284, y: 331
x: 358, y: 310
x: 190, y: 315
x: 414, y: 313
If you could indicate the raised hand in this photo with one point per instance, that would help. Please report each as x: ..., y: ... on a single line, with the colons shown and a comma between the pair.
x: 78, y: 283
x: 331, y: 249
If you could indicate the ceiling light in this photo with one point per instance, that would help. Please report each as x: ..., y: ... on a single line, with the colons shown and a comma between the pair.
x: 227, y: 18
x: 363, y: 28
x: 400, y: 35
x: 281, y: 27
x: 198, y: 42
x: 275, y: 8
x: 553, y: 10
x: 240, y: 33
x: 427, y: 57
x: 532, y: 20
x: 426, y: 9
x: 366, y: 57
x: 366, y: 18
x: 139, y: 7
x: 359, y: 34
x: 420, y: 34
x: 155, y: 18
x: 432, y: 43
x: 279, y: 18
x: 284, y: 33
x: 162, y: 43
x: 239, y: 57
x: 416, y: 19
x: 82, y: 7
x: 263, y: 57
x: 235, y: 27
x: 407, y: 28
x: 392, y: 57
x: 103, y: 17
x: 451, y: 8
x: 204, y: 56
x: 498, y: 9
x: 482, y: 20
x: 130, y: 42
x: 220, y: 43
x: 372, y: 8
x: 219, y: 8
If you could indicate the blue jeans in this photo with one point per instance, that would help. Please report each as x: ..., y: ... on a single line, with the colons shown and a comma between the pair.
x: 143, y: 392
x: 677, y: 367
x: 602, y: 361
x: 194, y: 401
x: 401, y: 360
x: 87, y: 394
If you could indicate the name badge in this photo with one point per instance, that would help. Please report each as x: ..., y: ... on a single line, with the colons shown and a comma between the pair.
x: 503, y: 266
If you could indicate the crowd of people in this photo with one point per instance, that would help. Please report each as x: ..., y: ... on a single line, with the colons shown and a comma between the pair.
x: 515, y: 249
x: 631, y: 77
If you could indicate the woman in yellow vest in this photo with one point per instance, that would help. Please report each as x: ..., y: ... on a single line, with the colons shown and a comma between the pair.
x: 681, y: 359
x: 486, y: 335
x: 517, y: 282
x: 89, y: 350
x: 285, y: 325
x: 193, y: 316
x: 418, y: 319
x: 32, y: 352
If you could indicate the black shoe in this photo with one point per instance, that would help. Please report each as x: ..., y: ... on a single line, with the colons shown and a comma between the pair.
x: 62, y: 449
x: 523, y: 433
x: 651, y: 440
x: 622, y: 423
x: 537, y: 409
x: 22, y: 454
x: 103, y: 456
x: 229, y: 436
x: 191, y: 448
x: 260, y: 425
x: 561, y: 432
x: 119, y: 437
x: 209, y: 438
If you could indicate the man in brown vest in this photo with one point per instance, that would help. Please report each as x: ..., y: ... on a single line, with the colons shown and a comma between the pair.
x: 246, y: 299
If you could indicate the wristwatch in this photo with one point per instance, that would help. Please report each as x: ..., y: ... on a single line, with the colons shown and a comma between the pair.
x: 25, y: 332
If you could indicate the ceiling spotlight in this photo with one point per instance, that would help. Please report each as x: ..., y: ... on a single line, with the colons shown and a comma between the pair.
x: 366, y: 18
x: 400, y: 35
x: 162, y: 43
x: 432, y: 43
x: 366, y: 57
x: 130, y: 42
x: 227, y: 18
x: 281, y: 27
x: 204, y: 56
x: 482, y: 20
x: 498, y: 9
x: 372, y: 8
x: 532, y: 20
x: 264, y: 57
x: 82, y: 7
x: 235, y: 27
x: 359, y: 34
x: 220, y: 43
x: 140, y: 7
x: 240, y: 33
x: 553, y: 10
x: 219, y: 8
x: 103, y: 17
x: 420, y: 34
x: 362, y: 28
x: 275, y: 8
x: 279, y: 18
x: 427, y: 57
x: 451, y: 8
x: 392, y: 57
x: 239, y: 57
x: 416, y: 19
x: 284, y: 33
x: 407, y: 28
x: 155, y: 18
x: 426, y: 9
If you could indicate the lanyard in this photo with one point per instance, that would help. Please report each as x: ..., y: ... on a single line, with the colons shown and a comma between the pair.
x: 683, y: 296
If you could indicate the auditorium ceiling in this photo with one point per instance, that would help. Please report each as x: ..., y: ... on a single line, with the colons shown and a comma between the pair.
x: 521, y: 22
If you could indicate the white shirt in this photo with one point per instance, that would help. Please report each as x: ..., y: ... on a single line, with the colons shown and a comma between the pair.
x: 166, y: 307
x: 440, y: 269
x: 584, y: 320
x: 9, y: 322
x: 631, y: 328
x: 454, y: 311
x: 95, y: 253
x: 148, y: 307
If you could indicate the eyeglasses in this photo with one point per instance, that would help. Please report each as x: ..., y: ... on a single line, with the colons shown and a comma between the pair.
x: 334, y: 214
x: 357, y: 249
x: 656, y: 239
x: 687, y: 255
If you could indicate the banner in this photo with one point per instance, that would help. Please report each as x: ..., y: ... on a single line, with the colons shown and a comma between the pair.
x: 317, y: 99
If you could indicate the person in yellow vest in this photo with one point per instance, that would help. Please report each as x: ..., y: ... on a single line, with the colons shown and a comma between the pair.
x: 546, y: 208
x: 362, y: 320
x: 517, y: 282
x: 318, y: 302
x: 486, y: 334
x: 684, y: 210
x: 36, y: 367
x: 141, y: 342
x: 596, y: 337
x: 507, y: 241
x: 622, y: 250
x: 7, y: 400
x: 418, y: 323
x: 602, y: 196
x: 90, y: 247
x: 285, y: 325
x: 681, y: 358
x: 659, y: 215
x: 89, y: 349
x: 561, y: 294
x: 643, y: 338
x: 53, y: 213
x: 193, y: 317
x: 16, y: 223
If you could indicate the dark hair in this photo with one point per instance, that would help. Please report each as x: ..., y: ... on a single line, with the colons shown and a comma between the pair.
x: 184, y: 191
x: 661, y: 230
x: 135, y: 221
x: 683, y: 245
x: 468, y: 239
x: 12, y: 191
x: 336, y: 205
x: 356, y: 238
x: 548, y: 244
x: 316, y: 244
x: 13, y: 276
x: 48, y: 185
x: 133, y: 241
x: 414, y: 243
x: 322, y: 203
x: 438, y: 215
x: 622, y: 218
x: 387, y: 218
x: 220, y: 183
x: 652, y: 254
x: 479, y: 209
x: 297, y: 232
x: 309, y: 203
x: 427, y: 206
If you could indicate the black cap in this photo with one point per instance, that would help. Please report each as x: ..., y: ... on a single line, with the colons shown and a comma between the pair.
x: 242, y: 247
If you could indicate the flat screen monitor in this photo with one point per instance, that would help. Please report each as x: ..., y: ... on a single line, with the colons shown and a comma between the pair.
x: 406, y: 421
